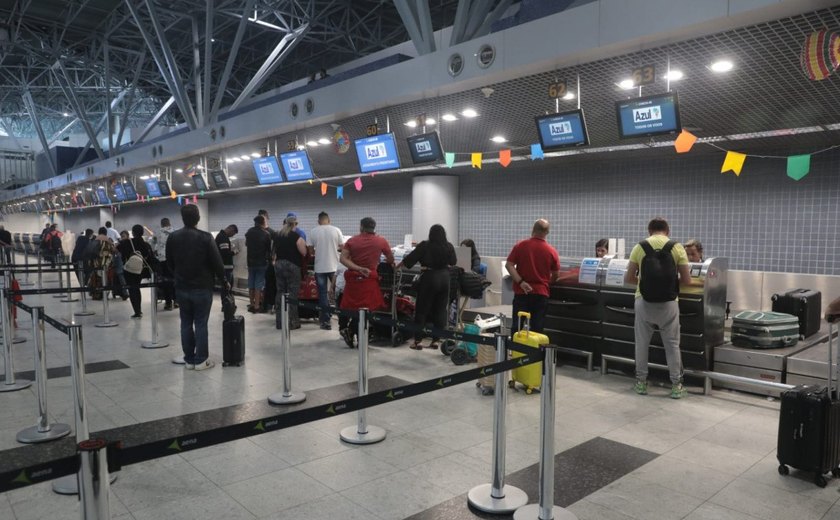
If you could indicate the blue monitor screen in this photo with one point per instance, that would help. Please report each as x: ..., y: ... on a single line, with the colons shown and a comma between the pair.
x: 562, y: 130
x: 296, y: 166
x: 425, y: 148
x: 130, y: 192
x: 267, y: 169
x: 102, y: 195
x: 377, y: 153
x: 200, y: 183
x: 164, y: 188
x: 119, y: 193
x: 153, y: 188
x: 646, y: 116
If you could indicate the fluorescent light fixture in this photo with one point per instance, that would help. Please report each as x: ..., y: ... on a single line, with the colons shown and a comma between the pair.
x: 229, y: 160
x: 233, y: 177
x: 187, y: 184
x: 236, y: 159
x: 430, y: 121
x: 324, y: 140
x: 411, y: 124
x: 244, y: 157
x: 569, y: 95
x: 498, y: 139
x: 469, y: 113
x: 179, y: 170
x: 199, y: 167
x: 65, y: 114
x: 626, y: 84
x: 255, y: 155
x: 449, y: 117
x: 311, y: 143
x: 88, y: 189
x: 674, y: 75
x: 301, y: 147
x: 144, y: 177
x: 721, y: 66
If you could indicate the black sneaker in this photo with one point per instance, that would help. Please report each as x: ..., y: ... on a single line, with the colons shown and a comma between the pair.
x: 326, y: 326
x: 347, y: 336
x: 137, y: 316
x: 167, y: 307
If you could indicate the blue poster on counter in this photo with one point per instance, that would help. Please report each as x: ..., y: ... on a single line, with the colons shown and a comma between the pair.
x: 589, y: 270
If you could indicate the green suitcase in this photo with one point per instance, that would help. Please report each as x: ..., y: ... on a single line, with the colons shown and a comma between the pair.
x: 757, y: 329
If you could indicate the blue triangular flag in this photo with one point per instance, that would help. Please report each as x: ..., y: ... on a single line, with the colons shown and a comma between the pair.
x: 339, y: 192
x: 537, y: 152
x: 179, y: 200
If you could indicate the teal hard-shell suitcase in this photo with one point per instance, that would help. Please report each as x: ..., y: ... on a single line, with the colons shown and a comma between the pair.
x: 757, y: 329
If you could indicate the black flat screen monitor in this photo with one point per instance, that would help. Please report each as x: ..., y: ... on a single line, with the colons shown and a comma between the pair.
x: 165, y: 191
x: 200, y: 183
x: 425, y: 148
x: 220, y: 179
x: 648, y: 116
x: 119, y: 193
x: 130, y: 192
x: 562, y: 130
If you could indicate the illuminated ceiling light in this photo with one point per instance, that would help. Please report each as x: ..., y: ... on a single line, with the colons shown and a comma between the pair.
x: 199, y: 167
x: 179, y: 170
x: 244, y: 157
x: 65, y: 114
x: 233, y: 177
x: 236, y: 159
x: 229, y: 160
x: 498, y: 139
x: 301, y: 147
x: 255, y: 155
x: 626, y: 84
x: 430, y: 121
x: 324, y: 140
x: 569, y: 95
x: 187, y: 184
x: 411, y: 124
x: 722, y: 66
x: 144, y: 177
x: 449, y: 117
x: 89, y: 189
x: 674, y: 75
x: 311, y: 143
x: 469, y: 113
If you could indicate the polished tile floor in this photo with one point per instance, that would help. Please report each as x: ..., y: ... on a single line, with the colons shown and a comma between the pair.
x: 713, y: 456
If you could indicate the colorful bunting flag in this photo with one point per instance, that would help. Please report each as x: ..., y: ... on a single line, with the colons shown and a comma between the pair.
x: 734, y: 161
x: 172, y: 194
x: 358, y: 183
x: 180, y: 200
x: 537, y: 152
x: 195, y: 199
x: 323, y: 188
x: 476, y: 160
x: 339, y: 192
x: 798, y: 166
x: 450, y: 159
x: 504, y: 157
x: 684, y: 141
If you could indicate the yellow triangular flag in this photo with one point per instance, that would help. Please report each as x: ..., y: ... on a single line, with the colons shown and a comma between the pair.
x: 734, y: 161
x: 476, y: 160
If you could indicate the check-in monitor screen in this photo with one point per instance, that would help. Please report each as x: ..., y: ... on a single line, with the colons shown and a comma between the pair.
x: 219, y: 179
x: 267, y: 170
x: 200, y: 183
x: 425, y: 148
x: 130, y: 192
x: 119, y: 193
x: 165, y: 191
x: 647, y: 116
x: 562, y: 130
x: 153, y: 188
x: 296, y: 166
x: 377, y: 153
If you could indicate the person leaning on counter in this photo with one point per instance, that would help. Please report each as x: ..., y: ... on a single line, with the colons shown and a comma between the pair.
x: 602, y: 248
x: 694, y: 251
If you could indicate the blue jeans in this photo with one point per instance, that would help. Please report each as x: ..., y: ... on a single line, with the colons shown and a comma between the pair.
x: 256, y: 278
x: 323, y: 280
x: 195, y: 311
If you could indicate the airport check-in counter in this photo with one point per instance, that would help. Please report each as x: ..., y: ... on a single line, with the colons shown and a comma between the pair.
x: 591, y: 309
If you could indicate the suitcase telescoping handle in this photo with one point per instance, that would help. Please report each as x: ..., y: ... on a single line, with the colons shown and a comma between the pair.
x: 831, y: 373
x: 527, y: 315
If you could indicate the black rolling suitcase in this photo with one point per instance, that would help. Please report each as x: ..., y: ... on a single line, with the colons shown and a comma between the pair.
x: 805, y: 304
x: 809, y: 427
x: 233, y: 333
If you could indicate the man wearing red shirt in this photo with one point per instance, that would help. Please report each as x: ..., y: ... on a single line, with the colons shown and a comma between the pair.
x: 533, y: 264
x: 361, y: 255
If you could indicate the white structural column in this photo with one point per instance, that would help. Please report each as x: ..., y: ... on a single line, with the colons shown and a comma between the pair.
x: 434, y: 201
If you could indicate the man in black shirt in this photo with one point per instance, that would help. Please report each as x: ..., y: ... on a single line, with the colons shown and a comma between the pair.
x: 258, y: 243
x: 194, y: 260
x: 226, y: 250
x: 6, y: 241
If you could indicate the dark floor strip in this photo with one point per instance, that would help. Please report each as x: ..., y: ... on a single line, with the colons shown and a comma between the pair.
x: 90, y: 368
x: 161, y: 429
x: 578, y: 472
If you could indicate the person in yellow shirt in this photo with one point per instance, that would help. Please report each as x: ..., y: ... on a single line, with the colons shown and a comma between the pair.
x: 657, y: 266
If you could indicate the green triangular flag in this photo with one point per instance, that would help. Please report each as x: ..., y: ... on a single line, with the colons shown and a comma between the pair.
x: 450, y: 159
x: 174, y: 445
x: 798, y: 166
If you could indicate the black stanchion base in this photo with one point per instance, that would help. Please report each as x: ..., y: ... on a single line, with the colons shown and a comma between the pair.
x: 31, y: 435
x: 19, y: 384
x: 532, y: 512
x: 17, y: 340
x: 480, y: 497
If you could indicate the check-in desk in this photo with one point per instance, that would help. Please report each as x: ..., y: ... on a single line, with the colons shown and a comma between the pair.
x: 810, y: 366
x: 595, y: 312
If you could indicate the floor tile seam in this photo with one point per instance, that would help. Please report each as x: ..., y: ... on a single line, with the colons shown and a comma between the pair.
x: 316, y: 479
x: 621, y: 513
x: 210, y: 479
x: 731, y: 478
x: 753, y: 451
x: 718, y: 503
x: 373, y: 516
x: 414, y: 477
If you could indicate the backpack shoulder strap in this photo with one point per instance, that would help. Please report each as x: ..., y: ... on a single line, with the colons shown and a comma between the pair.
x: 669, y: 245
x: 646, y: 247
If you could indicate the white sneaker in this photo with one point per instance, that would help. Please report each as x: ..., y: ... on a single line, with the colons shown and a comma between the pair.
x: 207, y: 365
x: 189, y: 366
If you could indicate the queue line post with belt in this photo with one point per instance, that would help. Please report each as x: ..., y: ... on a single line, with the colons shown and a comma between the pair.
x: 286, y: 396
x: 106, y: 313
x: 10, y: 384
x: 362, y: 432
x: 83, y: 296
x: 155, y: 342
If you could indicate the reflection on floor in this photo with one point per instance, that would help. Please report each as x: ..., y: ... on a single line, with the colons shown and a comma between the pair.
x: 716, y: 454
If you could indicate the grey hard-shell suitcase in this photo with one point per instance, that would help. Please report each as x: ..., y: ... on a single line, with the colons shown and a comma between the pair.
x: 756, y: 329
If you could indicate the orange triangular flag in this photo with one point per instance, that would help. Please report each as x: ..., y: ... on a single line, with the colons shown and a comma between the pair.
x: 504, y: 157
x: 323, y: 188
x: 476, y: 160
x: 684, y: 141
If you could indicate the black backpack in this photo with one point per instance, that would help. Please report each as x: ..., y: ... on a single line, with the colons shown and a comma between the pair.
x: 659, y: 281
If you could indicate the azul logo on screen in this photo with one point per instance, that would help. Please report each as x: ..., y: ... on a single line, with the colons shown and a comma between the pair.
x: 376, y: 151
x: 643, y: 115
x: 266, y: 168
x: 295, y: 164
x: 560, y: 128
x: 423, y: 146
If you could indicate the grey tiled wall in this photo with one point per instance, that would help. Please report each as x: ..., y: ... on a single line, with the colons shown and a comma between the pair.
x: 761, y: 220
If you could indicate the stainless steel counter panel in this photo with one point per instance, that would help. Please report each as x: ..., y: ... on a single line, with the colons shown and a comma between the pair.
x: 813, y: 361
x: 752, y: 289
x: 770, y: 359
x: 762, y: 374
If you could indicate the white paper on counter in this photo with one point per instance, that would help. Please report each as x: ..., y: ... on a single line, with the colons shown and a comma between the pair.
x: 589, y: 270
x: 615, y: 272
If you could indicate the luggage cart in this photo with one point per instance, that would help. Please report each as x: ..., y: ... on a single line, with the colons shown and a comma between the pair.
x: 399, y: 294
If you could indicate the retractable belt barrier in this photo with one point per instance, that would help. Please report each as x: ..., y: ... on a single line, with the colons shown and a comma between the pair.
x: 25, y: 292
x: 123, y: 456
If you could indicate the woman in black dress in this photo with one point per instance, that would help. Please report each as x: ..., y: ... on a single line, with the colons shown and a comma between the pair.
x: 127, y: 249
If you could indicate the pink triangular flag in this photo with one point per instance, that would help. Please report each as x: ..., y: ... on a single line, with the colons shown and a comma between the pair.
x: 358, y: 183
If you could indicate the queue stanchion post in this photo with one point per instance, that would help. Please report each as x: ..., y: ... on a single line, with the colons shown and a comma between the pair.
x: 61, y: 294
x: 545, y: 508
x: 105, y: 309
x: 497, y: 497
x: 95, y: 483
x: 70, y: 298
x: 362, y: 432
x: 10, y: 384
x: 286, y: 396
x: 43, y: 431
x: 69, y: 485
x: 25, y: 282
x: 155, y: 342
x: 83, y: 295
x: 40, y: 274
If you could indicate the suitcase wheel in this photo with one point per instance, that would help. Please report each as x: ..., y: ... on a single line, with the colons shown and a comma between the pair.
x: 820, y: 481
x: 512, y: 383
x: 396, y: 339
x: 783, y: 470
x: 447, y: 347
x: 529, y: 390
x: 487, y: 391
x: 460, y: 356
x: 836, y: 472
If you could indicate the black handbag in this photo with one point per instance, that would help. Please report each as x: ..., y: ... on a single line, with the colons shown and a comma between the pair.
x: 473, y: 284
